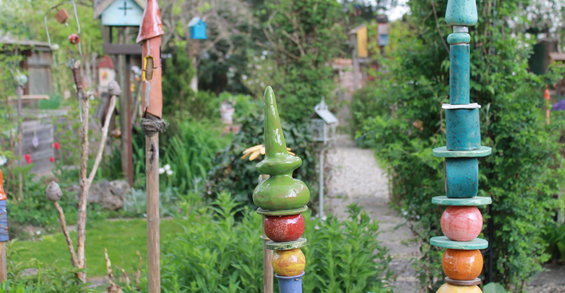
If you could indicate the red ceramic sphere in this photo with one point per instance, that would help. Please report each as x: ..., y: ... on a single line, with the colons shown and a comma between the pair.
x: 462, y: 264
x: 74, y: 39
x: 284, y: 228
x: 461, y: 223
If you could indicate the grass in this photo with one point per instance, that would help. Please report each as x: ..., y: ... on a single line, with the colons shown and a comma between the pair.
x: 122, y: 238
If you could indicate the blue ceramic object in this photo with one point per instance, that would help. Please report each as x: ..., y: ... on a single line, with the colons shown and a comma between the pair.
x: 461, y: 12
x: 462, y: 177
x: 459, y: 74
x: 292, y: 284
x: 462, y: 129
x: 3, y: 222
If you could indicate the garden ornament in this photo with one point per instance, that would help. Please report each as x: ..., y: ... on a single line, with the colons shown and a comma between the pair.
x: 461, y: 221
x: 281, y: 199
x: 4, y: 236
x: 150, y: 34
x: 53, y: 191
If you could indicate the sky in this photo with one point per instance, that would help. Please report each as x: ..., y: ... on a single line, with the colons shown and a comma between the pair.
x: 398, y: 11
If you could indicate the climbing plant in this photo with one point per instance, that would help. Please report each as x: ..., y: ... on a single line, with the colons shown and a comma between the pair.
x: 523, y: 173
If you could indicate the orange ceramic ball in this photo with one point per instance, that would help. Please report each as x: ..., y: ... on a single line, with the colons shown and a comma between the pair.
x: 289, y: 262
x: 448, y: 288
x: 462, y: 264
x: 461, y: 223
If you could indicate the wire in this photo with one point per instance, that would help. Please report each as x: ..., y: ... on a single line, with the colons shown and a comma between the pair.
x: 78, y: 26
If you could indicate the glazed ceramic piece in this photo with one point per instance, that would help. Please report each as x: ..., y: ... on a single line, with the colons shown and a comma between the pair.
x: 291, y: 284
x: 443, y: 152
x: 473, y: 201
x: 461, y: 12
x: 459, y: 74
x: 461, y: 223
x: 149, y: 36
x: 444, y: 242
x: 462, y: 177
x: 448, y: 288
x: 272, y: 245
x: 280, y: 191
x: 289, y: 262
x: 462, y: 264
x: 462, y: 129
x: 285, y: 228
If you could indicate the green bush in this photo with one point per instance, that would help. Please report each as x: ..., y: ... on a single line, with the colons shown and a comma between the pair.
x: 521, y: 175
x: 217, y: 253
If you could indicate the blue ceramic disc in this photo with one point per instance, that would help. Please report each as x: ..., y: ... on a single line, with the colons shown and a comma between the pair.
x: 473, y: 201
x: 442, y: 152
x: 444, y: 242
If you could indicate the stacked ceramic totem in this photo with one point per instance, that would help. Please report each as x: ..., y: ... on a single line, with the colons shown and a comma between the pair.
x: 461, y: 221
x: 281, y: 199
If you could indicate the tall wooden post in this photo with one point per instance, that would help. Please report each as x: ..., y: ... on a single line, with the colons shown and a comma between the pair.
x: 282, y: 199
x: 150, y: 33
x: 4, y: 237
x: 461, y: 221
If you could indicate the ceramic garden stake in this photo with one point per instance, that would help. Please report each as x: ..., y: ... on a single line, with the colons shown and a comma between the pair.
x: 282, y: 199
x: 461, y: 222
x: 150, y: 32
x: 4, y: 237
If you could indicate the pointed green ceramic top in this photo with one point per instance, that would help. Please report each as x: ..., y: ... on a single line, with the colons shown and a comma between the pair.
x: 461, y: 12
x: 277, y: 159
x: 280, y: 192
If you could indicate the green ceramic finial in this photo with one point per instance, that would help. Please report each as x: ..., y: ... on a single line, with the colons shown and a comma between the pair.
x: 277, y: 160
x: 280, y: 192
x: 461, y: 12
x: 274, y: 138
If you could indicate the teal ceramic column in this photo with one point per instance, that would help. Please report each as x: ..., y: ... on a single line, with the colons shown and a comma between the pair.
x: 461, y: 222
x: 282, y: 200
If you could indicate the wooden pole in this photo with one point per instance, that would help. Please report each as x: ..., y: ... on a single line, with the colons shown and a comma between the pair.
x: 149, y: 37
x: 267, y: 267
x: 153, y: 239
x: 3, y: 266
x: 4, y: 236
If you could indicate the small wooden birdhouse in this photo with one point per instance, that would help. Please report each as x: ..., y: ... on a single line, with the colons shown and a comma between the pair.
x: 197, y: 29
x: 119, y: 12
x: 323, y: 123
x: 358, y: 39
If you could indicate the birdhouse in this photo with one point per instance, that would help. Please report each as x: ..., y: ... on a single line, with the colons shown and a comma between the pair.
x: 197, y: 29
x: 120, y: 12
x: 323, y: 123
x: 382, y: 34
x: 358, y: 39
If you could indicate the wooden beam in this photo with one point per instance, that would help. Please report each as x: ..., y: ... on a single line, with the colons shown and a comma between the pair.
x: 123, y: 49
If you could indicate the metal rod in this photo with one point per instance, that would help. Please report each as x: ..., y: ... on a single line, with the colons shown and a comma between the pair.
x: 321, y: 185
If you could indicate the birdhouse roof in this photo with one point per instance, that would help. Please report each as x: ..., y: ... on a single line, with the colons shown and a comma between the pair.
x: 151, y: 25
x: 194, y: 21
x: 354, y: 31
x: 106, y: 62
x: 323, y: 112
x: 101, y: 5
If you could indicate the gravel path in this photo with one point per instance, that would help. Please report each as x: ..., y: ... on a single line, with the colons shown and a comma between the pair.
x: 354, y: 176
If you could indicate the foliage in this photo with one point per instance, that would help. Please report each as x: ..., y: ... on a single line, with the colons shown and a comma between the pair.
x: 36, y: 210
x: 554, y: 236
x: 523, y: 172
x: 122, y: 238
x: 46, y: 278
x: 239, y: 177
x: 304, y: 36
x: 216, y: 253
x: 191, y: 153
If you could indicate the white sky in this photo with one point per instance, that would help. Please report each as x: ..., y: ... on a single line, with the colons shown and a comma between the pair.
x: 398, y: 11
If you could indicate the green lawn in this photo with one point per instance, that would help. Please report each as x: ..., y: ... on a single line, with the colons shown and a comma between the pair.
x: 122, y: 238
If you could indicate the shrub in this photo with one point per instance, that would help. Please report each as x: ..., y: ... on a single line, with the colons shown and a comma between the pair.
x: 219, y: 254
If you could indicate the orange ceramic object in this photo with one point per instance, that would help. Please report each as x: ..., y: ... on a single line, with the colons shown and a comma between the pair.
x: 289, y: 262
x: 462, y: 264
x: 448, y: 288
